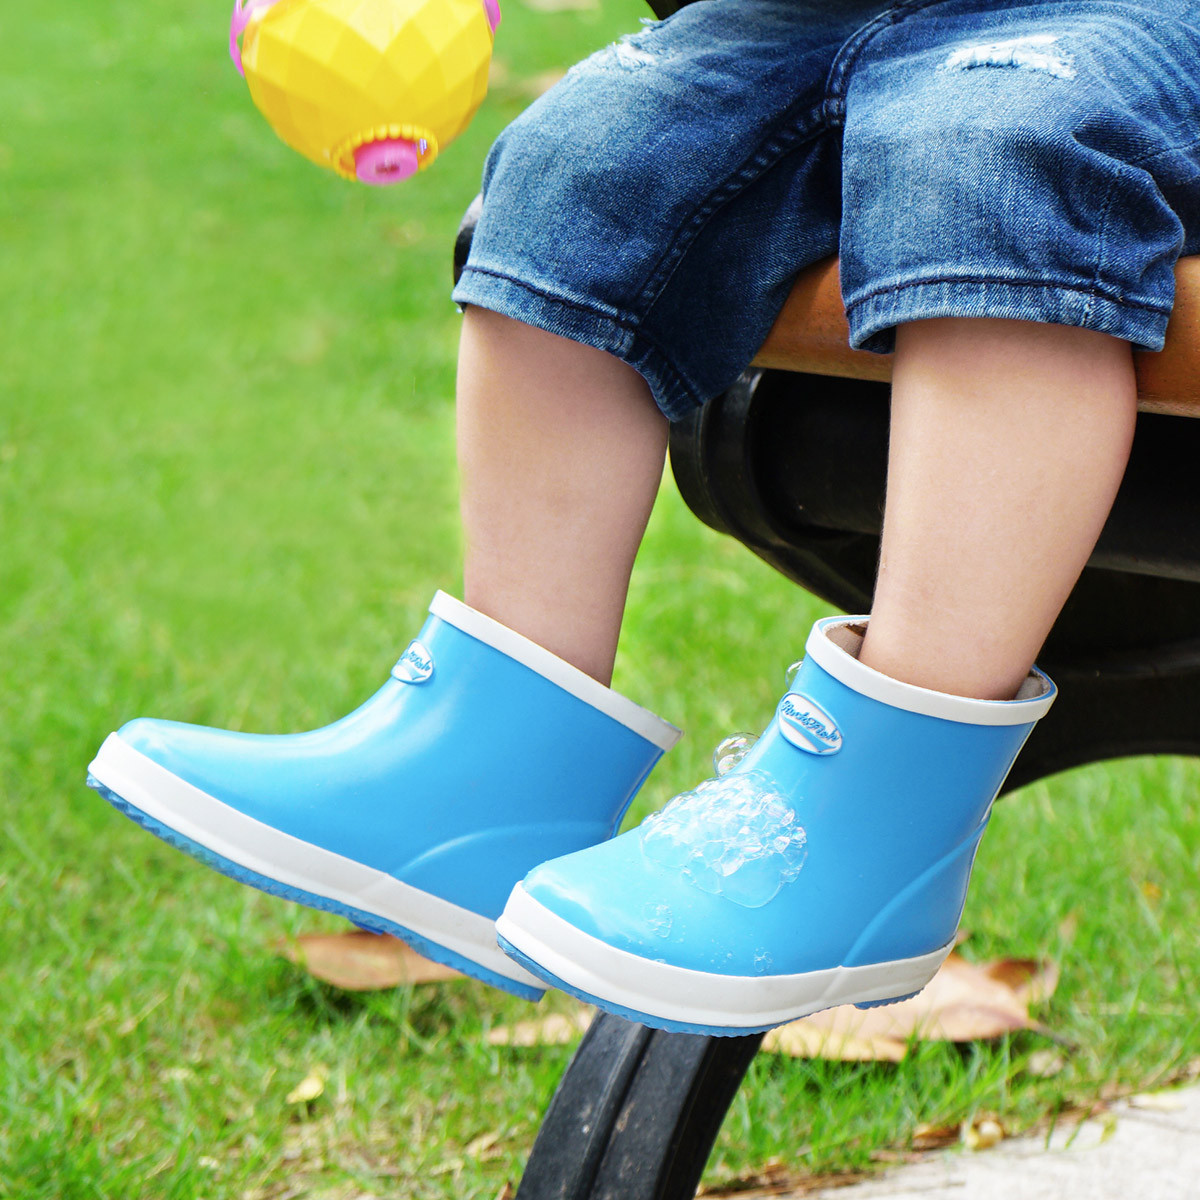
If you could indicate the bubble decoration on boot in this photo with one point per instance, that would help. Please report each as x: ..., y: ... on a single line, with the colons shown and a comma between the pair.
x: 658, y: 918
x: 731, y: 751
x: 792, y: 671
x: 734, y: 837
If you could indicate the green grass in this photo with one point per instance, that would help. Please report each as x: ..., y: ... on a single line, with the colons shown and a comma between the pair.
x: 226, y: 494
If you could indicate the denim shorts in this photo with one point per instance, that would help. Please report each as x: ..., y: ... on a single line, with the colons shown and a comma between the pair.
x: 966, y: 158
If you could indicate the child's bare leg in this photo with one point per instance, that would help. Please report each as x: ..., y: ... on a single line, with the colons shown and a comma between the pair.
x: 1008, y: 443
x: 561, y: 452
x: 830, y: 865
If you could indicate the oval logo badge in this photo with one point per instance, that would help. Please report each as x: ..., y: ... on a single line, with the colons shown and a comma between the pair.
x: 807, y: 725
x: 415, y: 665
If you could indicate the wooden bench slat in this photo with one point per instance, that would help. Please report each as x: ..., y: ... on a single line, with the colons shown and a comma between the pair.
x: 812, y: 335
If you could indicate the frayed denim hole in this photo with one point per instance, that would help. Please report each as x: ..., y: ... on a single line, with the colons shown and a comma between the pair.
x: 1033, y: 53
x: 627, y: 54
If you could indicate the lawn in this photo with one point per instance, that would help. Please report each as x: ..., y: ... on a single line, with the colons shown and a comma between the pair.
x: 227, y: 493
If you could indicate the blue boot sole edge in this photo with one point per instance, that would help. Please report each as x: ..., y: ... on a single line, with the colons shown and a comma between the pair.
x: 368, y: 921
x: 654, y: 1022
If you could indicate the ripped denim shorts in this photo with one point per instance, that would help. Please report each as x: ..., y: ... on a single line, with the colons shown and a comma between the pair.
x: 966, y: 158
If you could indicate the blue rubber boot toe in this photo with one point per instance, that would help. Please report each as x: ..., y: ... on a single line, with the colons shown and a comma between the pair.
x: 480, y: 757
x: 830, y: 866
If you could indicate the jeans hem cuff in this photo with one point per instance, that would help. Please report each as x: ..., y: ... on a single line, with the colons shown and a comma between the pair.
x: 525, y: 302
x: 873, y: 318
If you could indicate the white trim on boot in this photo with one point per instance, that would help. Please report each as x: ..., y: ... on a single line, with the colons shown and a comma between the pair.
x: 571, y: 679
x: 834, y: 644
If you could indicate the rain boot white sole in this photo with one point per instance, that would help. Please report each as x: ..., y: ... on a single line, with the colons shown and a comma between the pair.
x: 276, y: 862
x: 686, y: 1000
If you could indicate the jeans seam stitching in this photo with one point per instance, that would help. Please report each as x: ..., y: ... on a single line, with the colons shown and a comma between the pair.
x: 1141, y: 158
x: 1095, y: 289
x: 621, y: 322
x: 851, y: 50
x: 1101, y: 242
x: 1110, y: 199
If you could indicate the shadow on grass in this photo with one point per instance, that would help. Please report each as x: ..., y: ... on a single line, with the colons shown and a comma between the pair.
x: 423, y: 1014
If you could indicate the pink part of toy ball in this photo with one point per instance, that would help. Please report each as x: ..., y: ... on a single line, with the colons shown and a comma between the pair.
x: 243, y: 10
x: 388, y: 160
x: 492, y: 8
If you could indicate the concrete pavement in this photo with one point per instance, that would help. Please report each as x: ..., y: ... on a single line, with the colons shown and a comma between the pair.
x: 1147, y: 1148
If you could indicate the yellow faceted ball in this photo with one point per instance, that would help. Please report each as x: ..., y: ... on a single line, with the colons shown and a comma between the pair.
x: 371, y: 89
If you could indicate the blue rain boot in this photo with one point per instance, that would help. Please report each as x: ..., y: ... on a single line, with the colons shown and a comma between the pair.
x: 415, y: 815
x: 828, y: 867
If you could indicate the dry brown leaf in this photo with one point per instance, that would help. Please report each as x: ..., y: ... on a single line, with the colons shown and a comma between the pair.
x: 982, y: 1134
x: 1044, y: 1064
x: 834, y: 1033
x: 1032, y: 982
x: 360, y: 962
x: 478, y: 1147
x: 1163, y: 1102
x: 774, y: 1179
x: 771, y: 1179
x: 554, y: 1029
x: 896, y: 1157
x: 963, y: 1002
x: 935, y: 1137
x: 506, y: 1192
x: 308, y: 1089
